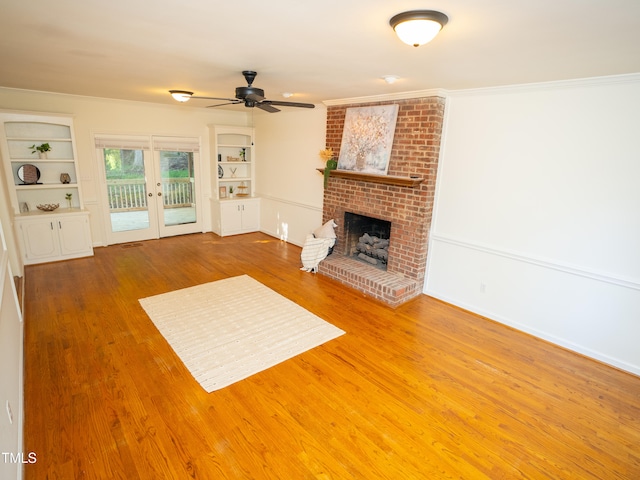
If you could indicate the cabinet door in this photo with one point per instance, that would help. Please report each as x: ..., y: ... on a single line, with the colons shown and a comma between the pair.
x: 74, y: 235
x: 251, y: 216
x: 231, y: 218
x: 40, y: 239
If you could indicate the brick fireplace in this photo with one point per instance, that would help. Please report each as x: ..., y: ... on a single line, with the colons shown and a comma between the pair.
x: 415, y: 152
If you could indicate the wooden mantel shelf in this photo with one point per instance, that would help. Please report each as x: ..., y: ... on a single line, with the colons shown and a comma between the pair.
x: 374, y: 178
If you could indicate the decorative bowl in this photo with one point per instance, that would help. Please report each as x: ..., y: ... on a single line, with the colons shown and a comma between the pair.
x: 48, y: 207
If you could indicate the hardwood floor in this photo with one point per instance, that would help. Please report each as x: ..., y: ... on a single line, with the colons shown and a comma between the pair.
x: 425, y: 391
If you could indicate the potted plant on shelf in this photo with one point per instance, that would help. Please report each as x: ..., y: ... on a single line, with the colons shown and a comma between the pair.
x: 41, y: 149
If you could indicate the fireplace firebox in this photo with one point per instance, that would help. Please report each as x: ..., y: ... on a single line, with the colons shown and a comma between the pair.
x: 367, y: 239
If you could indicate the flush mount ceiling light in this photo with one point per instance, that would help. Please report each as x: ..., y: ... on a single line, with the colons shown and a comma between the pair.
x: 181, y: 95
x: 390, y: 79
x: 418, y: 27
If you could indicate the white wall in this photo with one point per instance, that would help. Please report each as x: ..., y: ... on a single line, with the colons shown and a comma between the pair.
x: 11, y: 352
x: 98, y: 115
x: 6, y: 221
x: 288, y: 183
x: 537, y: 214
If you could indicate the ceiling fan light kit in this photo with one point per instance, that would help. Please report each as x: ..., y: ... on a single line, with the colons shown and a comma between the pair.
x: 181, y: 95
x: 251, y: 97
x: 418, y: 27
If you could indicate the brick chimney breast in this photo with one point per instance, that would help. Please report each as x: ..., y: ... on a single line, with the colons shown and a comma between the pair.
x: 415, y: 152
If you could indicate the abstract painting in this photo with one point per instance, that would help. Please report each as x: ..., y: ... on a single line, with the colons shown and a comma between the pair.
x: 367, y: 139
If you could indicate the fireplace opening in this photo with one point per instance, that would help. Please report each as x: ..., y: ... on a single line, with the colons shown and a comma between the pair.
x: 367, y: 239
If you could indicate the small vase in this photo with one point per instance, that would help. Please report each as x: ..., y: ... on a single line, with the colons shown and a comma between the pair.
x: 42, y: 155
x: 69, y: 204
x: 65, y: 178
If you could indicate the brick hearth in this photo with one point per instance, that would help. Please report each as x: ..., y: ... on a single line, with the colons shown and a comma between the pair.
x: 415, y: 152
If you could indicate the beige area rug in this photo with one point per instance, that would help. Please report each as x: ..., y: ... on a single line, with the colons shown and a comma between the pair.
x: 228, y: 330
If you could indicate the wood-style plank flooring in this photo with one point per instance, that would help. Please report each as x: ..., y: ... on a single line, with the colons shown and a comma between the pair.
x: 425, y: 391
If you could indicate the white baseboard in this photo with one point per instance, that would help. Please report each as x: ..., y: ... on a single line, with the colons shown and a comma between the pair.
x: 599, y: 356
x: 589, y: 312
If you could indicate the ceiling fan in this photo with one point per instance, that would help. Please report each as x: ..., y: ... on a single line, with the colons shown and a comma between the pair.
x: 251, y: 97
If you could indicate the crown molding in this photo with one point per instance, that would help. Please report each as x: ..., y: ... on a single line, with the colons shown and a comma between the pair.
x: 434, y: 92
x: 627, y: 78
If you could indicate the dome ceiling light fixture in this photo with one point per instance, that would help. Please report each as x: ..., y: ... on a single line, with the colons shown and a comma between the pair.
x: 418, y: 27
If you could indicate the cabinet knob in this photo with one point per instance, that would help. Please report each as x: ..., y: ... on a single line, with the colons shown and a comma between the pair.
x: 159, y: 194
x: 150, y: 194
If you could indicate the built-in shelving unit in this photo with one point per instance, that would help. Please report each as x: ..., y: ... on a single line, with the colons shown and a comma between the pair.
x: 235, y: 209
x: 22, y: 131
x: 233, y: 165
x: 48, y: 178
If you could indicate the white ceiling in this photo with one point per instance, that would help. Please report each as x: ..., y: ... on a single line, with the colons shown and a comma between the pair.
x: 320, y: 50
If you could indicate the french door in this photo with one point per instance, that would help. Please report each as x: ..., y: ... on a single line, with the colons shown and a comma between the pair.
x: 150, y: 187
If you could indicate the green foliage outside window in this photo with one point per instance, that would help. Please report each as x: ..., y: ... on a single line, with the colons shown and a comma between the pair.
x: 129, y: 164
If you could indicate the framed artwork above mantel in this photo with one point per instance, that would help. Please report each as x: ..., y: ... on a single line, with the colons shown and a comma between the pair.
x: 367, y: 139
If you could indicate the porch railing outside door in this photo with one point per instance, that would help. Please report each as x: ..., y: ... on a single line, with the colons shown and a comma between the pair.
x: 129, y: 195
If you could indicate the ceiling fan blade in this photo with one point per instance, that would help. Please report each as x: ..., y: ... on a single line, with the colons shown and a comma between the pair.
x: 254, y: 97
x: 215, y: 98
x: 290, y: 104
x: 221, y: 104
x: 266, y: 107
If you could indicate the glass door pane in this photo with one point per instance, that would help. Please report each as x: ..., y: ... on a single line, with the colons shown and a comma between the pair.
x: 177, y: 176
x: 177, y: 202
x: 127, y: 193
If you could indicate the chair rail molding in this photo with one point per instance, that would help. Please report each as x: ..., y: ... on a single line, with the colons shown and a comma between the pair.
x: 546, y: 263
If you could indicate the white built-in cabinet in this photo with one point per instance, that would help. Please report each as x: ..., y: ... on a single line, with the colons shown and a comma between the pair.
x: 238, y: 216
x: 235, y: 209
x: 37, y: 179
x: 51, y: 237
